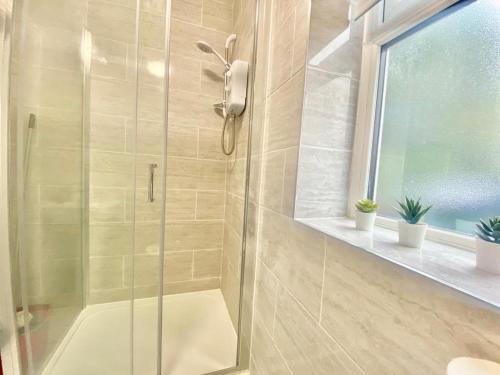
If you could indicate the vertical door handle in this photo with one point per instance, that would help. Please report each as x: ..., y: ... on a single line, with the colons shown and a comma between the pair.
x: 151, y: 190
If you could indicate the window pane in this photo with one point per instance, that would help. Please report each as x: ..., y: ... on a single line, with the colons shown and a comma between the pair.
x: 440, y: 136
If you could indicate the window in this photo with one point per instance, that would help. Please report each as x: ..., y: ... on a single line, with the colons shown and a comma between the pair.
x: 437, y: 130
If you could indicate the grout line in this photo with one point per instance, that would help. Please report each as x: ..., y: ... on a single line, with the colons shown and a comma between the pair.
x: 309, y: 315
x: 192, y: 265
x: 323, y: 281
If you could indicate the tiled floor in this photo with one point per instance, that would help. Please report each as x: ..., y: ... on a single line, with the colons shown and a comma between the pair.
x: 199, y: 338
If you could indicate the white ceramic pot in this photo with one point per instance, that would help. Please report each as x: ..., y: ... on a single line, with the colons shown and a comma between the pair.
x: 488, y: 256
x: 411, y: 235
x: 365, y: 221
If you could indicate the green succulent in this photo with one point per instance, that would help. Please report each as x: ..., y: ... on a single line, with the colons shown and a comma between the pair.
x: 412, y: 210
x: 366, y: 206
x: 489, y: 231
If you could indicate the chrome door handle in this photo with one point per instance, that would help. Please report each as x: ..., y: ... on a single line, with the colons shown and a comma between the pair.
x: 151, y: 190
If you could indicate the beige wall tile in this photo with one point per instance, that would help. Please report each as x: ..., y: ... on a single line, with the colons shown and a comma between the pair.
x: 182, y: 141
x: 110, y: 239
x: 150, y: 103
x: 67, y: 14
x: 196, y: 174
x: 153, y: 6
x: 212, y: 175
x: 109, y: 295
x: 200, y: 235
x: 266, y: 295
x: 207, y: 264
x: 232, y: 248
x: 192, y: 286
x: 178, y: 267
x: 107, y: 204
x: 218, y: 15
x: 105, y: 272
x: 381, y: 316
x: 61, y: 204
x: 61, y: 277
x: 182, y: 173
x: 187, y: 10
x: 58, y: 128
x: 236, y: 174
x: 301, y: 34
x: 230, y: 279
x: 290, y: 180
x: 188, y: 109
x: 305, y: 347
x: 210, y: 205
x: 152, y: 30
x: 112, y: 98
x: 282, y: 49
x: 107, y: 133
x: 149, y: 137
x: 52, y: 47
x: 295, y: 254
x: 183, y: 38
x: 147, y: 238
x: 284, y: 113
x: 185, y: 74
x: 151, y: 65
x: 53, y: 88
x: 181, y: 205
x: 145, y: 271
x: 112, y: 21
x: 55, y: 167
x: 54, y: 240
x: 272, y: 181
x: 111, y: 169
x: 209, y: 144
x: 267, y: 358
x: 109, y: 58
x: 212, y: 78
x: 234, y: 216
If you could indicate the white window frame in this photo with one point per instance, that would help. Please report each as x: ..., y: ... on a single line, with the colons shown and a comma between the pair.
x: 378, y: 33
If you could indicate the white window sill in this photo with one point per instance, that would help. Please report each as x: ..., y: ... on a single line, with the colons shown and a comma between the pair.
x: 445, y: 264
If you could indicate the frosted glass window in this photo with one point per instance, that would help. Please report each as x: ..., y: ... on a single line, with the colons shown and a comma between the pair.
x: 438, y: 120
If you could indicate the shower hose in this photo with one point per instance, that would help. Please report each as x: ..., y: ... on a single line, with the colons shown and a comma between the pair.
x: 223, y: 137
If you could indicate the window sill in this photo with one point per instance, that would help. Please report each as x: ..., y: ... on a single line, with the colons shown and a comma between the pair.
x: 448, y: 265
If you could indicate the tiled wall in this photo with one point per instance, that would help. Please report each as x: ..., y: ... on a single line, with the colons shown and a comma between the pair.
x: 322, y: 306
x: 244, y: 23
x: 327, y: 130
x: 196, y: 168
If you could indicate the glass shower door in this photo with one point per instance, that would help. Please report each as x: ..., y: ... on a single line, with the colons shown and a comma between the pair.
x: 47, y: 164
x: 86, y: 123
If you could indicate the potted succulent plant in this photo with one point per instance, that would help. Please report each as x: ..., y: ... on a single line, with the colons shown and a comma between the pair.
x: 488, y: 245
x: 411, y: 230
x: 366, y: 212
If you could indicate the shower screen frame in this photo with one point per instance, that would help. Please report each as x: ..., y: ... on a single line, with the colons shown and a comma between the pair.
x: 9, y: 350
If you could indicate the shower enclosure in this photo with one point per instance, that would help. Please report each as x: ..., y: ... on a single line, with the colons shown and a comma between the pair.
x: 125, y: 217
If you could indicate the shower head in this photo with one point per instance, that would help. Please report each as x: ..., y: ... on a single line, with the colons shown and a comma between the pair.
x: 207, y: 48
x: 204, y: 47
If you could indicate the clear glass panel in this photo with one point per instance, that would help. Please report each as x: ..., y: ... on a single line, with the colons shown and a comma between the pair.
x: 74, y: 68
x: 205, y: 192
x: 441, y: 116
x: 148, y: 212
x: 46, y: 116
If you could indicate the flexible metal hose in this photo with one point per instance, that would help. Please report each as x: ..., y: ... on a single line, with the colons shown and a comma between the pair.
x: 223, y: 137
